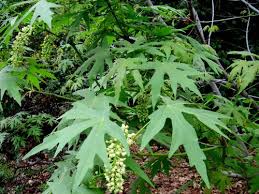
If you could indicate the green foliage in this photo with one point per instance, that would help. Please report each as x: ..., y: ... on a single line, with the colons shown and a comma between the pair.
x: 6, y: 172
x: 97, y: 58
x: 174, y: 110
x: 8, y: 83
x: 244, y: 72
x: 136, y: 168
x: 42, y: 9
x: 92, y: 112
x: 2, y: 138
x: 178, y: 73
x: 18, y: 128
x: 131, y: 69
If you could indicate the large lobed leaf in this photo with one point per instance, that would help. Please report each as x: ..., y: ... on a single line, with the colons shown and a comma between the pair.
x: 183, y: 131
x: 119, y: 71
x: 42, y: 9
x: 92, y: 116
x: 245, y: 72
x: 8, y: 83
x: 97, y: 58
x: 180, y: 74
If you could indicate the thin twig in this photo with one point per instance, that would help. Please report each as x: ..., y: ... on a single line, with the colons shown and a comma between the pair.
x: 196, y: 18
x: 76, y: 50
x: 52, y: 94
x: 212, y: 20
x: 232, y: 174
x: 255, y: 97
x: 119, y: 23
x: 135, y: 137
x: 247, y: 36
x: 250, y: 6
x: 69, y: 42
x: 176, y: 154
x: 228, y: 19
x: 150, y: 4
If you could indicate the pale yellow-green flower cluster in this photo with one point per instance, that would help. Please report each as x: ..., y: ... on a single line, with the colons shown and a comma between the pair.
x: 19, y: 45
x: 117, y: 156
x: 47, y: 47
x: 60, y: 54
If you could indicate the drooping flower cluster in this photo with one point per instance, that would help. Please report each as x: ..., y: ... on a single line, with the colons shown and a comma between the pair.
x: 116, y: 154
x: 47, y: 47
x: 19, y: 45
x: 59, y: 56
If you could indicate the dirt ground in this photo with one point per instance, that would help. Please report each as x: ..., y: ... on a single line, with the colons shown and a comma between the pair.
x: 31, y: 175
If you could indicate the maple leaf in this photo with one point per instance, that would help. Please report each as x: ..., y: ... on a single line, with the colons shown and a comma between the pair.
x: 245, y: 72
x: 92, y: 116
x: 9, y: 83
x: 183, y: 131
x: 119, y: 72
x: 204, y: 53
x: 97, y: 58
x: 179, y: 74
x: 2, y: 137
x: 138, y: 46
x: 42, y: 9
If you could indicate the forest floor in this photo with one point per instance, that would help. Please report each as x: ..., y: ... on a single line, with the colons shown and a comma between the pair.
x: 30, y: 177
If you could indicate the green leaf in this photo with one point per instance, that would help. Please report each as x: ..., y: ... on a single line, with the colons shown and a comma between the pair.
x: 34, y: 74
x: 163, y: 139
x: 243, y: 53
x: 139, y: 186
x: 184, y: 187
x: 244, y: 72
x: 140, y: 45
x: 129, y: 162
x: 2, y: 137
x: 159, y: 164
x: 179, y: 74
x: 138, y: 79
x: 162, y: 31
x: 90, y: 115
x: 175, y: 111
x: 42, y: 9
x: 220, y: 180
x: 8, y: 83
x: 237, y: 113
x: 166, y: 9
x: 97, y: 58
x: 253, y: 183
x: 63, y: 185
x: 204, y: 53
x: 119, y: 72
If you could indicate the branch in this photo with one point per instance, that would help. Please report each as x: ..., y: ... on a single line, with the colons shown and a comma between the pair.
x: 232, y: 174
x: 51, y: 94
x: 69, y: 42
x: 196, y: 18
x: 157, y: 154
x: 227, y: 19
x: 212, y: 20
x: 150, y: 4
x: 119, y: 23
x: 76, y: 50
x: 247, y: 35
x: 250, y: 6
